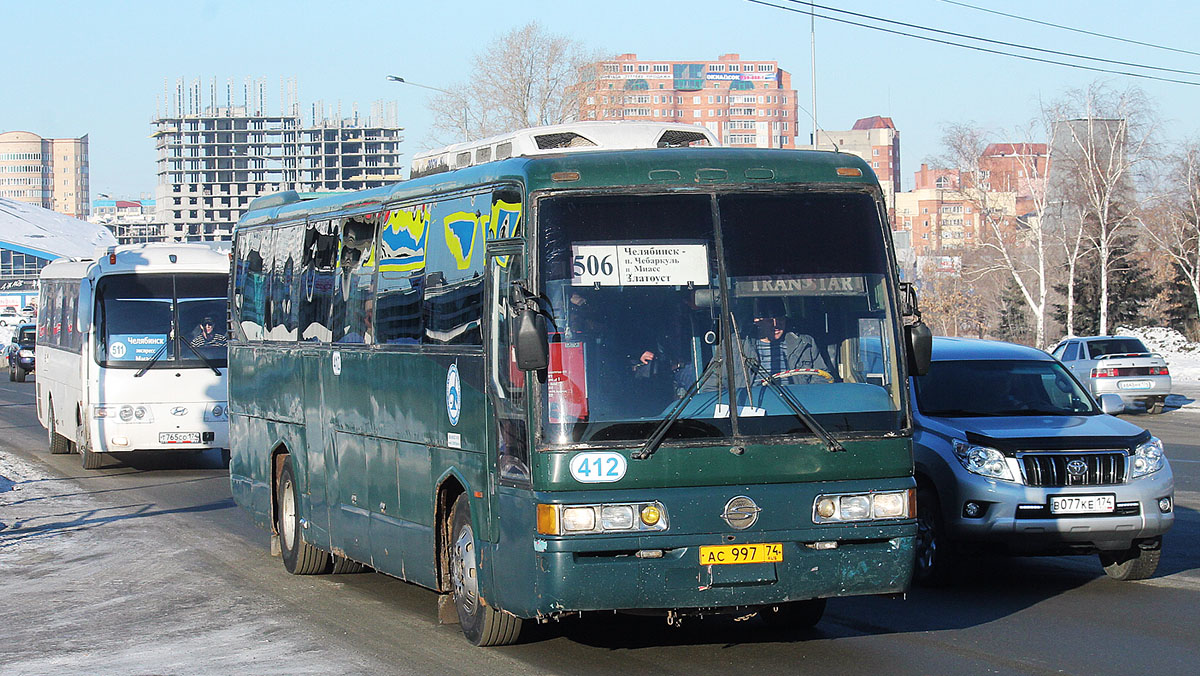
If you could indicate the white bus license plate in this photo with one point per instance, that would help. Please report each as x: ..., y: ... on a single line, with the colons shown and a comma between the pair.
x: 1083, y: 504
x: 178, y: 437
x: 1134, y: 385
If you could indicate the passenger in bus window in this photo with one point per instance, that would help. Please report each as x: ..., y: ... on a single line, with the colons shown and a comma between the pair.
x: 206, y: 335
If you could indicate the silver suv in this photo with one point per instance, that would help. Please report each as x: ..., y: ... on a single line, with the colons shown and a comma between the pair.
x: 1119, y: 365
x: 1013, y: 455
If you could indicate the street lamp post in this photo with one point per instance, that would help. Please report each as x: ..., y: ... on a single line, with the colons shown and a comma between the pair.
x: 462, y: 102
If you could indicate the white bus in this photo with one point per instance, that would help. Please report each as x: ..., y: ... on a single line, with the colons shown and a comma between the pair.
x: 131, y: 348
x: 557, y: 138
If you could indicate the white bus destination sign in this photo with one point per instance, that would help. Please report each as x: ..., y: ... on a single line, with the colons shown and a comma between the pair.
x: 639, y: 265
x: 814, y: 285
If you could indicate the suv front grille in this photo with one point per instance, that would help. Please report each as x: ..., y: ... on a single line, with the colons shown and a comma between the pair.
x: 1102, y: 468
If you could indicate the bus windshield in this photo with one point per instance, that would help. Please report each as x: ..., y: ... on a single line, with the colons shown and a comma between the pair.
x: 650, y: 293
x: 161, y: 320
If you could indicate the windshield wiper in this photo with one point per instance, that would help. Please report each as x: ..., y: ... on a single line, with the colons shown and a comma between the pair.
x: 660, y: 432
x: 155, y: 357
x: 802, y: 413
x: 206, y: 360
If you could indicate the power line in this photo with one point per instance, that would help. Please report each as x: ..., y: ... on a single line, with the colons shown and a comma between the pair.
x: 1069, y: 28
x: 996, y: 42
x: 976, y: 48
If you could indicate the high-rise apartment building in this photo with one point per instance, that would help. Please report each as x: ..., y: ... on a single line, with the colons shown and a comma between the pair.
x: 876, y: 140
x: 213, y: 160
x: 746, y: 102
x: 51, y: 173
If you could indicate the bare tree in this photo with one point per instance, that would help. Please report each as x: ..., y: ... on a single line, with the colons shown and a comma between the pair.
x: 1016, y: 241
x: 1176, y: 229
x: 527, y: 77
x: 1103, y: 140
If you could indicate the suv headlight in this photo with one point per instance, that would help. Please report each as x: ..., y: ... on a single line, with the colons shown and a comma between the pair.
x: 25, y: 353
x: 1147, y: 458
x: 981, y: 460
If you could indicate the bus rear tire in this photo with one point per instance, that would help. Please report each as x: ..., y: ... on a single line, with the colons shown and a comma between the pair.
x: 59, y: 445
x: 299, y: 557
x: 483, y: 625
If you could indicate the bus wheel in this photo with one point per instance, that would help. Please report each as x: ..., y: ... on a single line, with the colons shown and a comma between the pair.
x: 299, y: 557
x: 482, y: 624
x: 343, y: 566
x: 59, y: 445
x: 90, y: 459
x: 794, y: 615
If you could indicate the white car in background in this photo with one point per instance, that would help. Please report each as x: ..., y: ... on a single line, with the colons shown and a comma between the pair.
x: 1119, y: 365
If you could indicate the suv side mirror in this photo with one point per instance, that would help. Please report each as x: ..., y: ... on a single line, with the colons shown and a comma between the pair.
x: 531, y: 344
x: 1112, y: 404
x: 919, y: 347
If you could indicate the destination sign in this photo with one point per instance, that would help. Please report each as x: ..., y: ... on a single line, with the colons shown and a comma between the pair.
x: 809, y: 285
x: 639, y: 265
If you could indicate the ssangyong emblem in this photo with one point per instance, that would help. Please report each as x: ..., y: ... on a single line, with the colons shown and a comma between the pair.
x: 740, y: 513
x: 179, y: 410
x: 1077, y: 468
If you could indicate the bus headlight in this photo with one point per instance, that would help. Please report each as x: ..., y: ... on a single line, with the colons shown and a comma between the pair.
x: 856, y: 507
x: 635, y: 517
x: 218, y: 412
x: 128, y: 413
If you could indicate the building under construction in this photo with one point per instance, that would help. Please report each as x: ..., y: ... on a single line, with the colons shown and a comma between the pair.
x: 214, y: 159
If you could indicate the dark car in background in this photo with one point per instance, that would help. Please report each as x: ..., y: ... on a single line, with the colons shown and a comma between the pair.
x: 20, y: 352
x: 1013, y: 455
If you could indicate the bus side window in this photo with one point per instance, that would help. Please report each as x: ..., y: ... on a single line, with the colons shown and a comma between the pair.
x: 251, y: 305
x: 318, y: 259
x: 508, y: 382
x: 288, y: 239
x: 353, y: 284
x: 454, y: 278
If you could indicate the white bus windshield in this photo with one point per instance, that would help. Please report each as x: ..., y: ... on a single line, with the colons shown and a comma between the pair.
x: 161, y: 320
x: 635, y: 283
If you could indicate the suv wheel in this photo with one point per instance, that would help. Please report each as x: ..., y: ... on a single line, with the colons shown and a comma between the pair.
x: 933, y: 552
x: 1136, y: 563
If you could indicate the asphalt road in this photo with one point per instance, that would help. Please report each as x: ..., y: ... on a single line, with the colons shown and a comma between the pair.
x: 150, y: 568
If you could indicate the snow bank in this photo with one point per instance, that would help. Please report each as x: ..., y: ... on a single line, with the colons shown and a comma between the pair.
x: 1182, y: 355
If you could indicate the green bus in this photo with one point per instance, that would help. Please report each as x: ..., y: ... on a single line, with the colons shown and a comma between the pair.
x: 656, y: 380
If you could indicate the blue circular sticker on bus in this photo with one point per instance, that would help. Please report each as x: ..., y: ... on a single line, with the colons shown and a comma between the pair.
x: 453, y: 394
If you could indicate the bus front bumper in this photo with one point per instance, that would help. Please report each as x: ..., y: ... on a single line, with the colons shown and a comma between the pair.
x: 669, y: 576
x: 174, y: 427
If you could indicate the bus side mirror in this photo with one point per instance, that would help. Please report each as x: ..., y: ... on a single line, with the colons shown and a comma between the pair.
x: 919, y: 346
x: 531, y: 344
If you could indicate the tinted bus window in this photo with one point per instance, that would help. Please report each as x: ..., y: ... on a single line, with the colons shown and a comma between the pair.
x: 403, y: 236
x: 454, y: 275
x: 252, y: 269
x: 353, y: 284
x: 284, y: 281
x: 317, y: 261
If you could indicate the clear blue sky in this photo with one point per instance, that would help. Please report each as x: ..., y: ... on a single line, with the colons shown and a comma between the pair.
x: 96, y: 68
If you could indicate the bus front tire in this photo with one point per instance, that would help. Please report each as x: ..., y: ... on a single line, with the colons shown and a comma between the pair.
x: 299, y: 557
x: 482, y: 624
x: 89, y: 459
x: 59, y: 445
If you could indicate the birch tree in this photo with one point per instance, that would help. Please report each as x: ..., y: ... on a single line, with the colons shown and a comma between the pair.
x: 1176, y: 231
x: 1018, y: 248
x: 526, y: 77
x: 1103, y: 140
